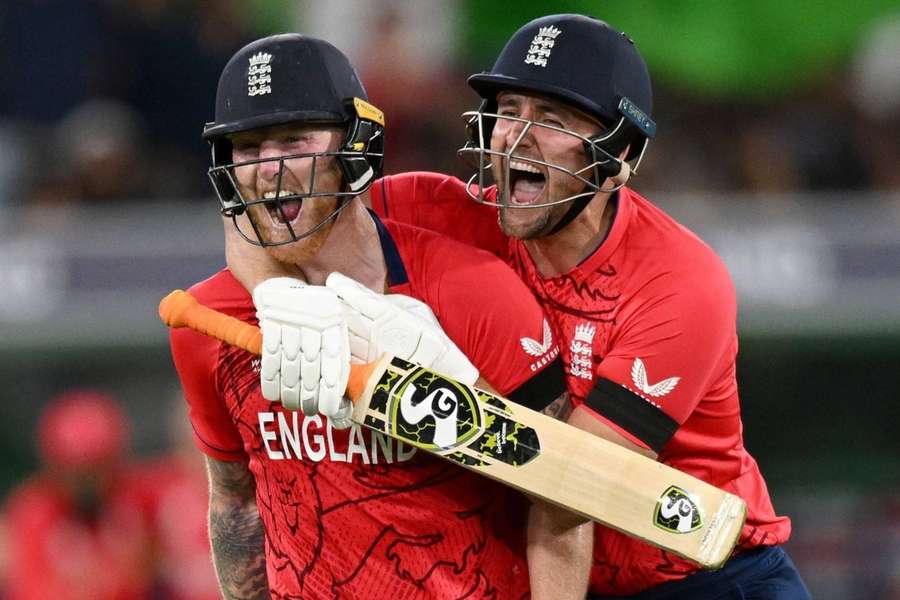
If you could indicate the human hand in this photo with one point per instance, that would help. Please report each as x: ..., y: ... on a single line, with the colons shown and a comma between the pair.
x: 305, y: 352
x: 399, y: 325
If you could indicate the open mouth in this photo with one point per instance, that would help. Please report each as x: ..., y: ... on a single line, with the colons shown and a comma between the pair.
x: 526, y: 183
x: 283, y: 212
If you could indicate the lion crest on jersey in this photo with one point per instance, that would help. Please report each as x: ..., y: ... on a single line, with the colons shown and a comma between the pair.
x: 581, y: 350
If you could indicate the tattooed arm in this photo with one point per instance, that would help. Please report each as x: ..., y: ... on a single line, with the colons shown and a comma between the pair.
x: 236, y: 531
x: 560, y: 543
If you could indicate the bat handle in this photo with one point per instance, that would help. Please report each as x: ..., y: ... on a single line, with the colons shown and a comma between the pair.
x: 181, y: 309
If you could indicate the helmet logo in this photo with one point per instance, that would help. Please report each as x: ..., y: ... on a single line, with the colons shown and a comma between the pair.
x: 541, y: 46
x: 259, y: 75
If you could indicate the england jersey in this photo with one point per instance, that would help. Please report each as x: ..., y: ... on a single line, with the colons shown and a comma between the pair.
x: 355, y: 514
x: 647, y: 330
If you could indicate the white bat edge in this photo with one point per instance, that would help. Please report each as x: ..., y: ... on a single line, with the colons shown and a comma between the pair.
x: 724, y: 527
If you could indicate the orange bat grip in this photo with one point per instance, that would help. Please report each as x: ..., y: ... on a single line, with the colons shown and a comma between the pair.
x: 180, y: 309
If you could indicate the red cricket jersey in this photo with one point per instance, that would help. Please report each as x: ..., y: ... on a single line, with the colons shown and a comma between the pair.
x: 647, y: 332
x: 175, y: 493
x: 354, y: 514
x: 55, y: 551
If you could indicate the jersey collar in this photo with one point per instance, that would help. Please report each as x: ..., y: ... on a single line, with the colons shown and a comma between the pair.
x: 608, y: 246
x: 396, y: 271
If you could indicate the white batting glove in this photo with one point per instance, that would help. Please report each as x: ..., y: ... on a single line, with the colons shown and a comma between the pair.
x: 399, y: 325
x: 305, y: 352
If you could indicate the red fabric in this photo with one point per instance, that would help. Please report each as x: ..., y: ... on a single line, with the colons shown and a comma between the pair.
x: 82, y: 428
x: 176, y: 498
x: 653, y: 302
x: 400, y: 198
x: 55, y: 553
x: 353, y: 514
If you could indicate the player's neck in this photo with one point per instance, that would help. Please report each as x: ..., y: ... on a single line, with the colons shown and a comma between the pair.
x: 561, y: 252
x: 352, y: 248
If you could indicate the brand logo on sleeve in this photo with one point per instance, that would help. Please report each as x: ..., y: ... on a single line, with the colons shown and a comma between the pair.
x: 545, y: 351
x: 657, y: 390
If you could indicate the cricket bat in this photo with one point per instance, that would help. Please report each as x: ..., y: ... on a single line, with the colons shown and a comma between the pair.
x: 519, y: 447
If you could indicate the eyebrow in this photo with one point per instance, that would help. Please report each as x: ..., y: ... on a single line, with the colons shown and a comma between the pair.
x: 542, y: 106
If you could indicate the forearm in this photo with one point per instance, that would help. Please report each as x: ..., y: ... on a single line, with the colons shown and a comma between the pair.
x: 236, y: 533
x: 560, y: 552
x: 560, y: 543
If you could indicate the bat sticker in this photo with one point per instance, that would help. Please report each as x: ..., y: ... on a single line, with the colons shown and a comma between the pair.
x: 441, y: 415
x: 677, y: 512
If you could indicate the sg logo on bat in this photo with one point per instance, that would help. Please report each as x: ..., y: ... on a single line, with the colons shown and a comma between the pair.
x: 454, y: 415
x: 677, y: 512
x: 459, y: 422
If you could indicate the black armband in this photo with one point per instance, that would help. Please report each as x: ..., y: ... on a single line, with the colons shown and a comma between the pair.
x: 543, y: 388
x: 632, y: 413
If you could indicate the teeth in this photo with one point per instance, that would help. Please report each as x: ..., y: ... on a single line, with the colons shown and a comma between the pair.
x: 522, y: 166
x: 281, y: 194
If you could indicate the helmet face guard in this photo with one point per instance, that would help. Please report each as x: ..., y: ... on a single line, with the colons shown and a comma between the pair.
x: 360, y: 160
x: 290, y: 79
x: 600, y: 151
x: 583, y: 63
x: 234, y: 204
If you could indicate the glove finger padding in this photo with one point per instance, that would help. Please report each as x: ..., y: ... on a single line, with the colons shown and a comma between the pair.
x: 379, y: 324
x: 411, y: 305
x: 306, y: 350
x: 270, y: 364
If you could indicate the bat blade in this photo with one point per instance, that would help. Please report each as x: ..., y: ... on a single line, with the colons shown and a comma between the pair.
x: 519, y: 447
x: 552, y: 460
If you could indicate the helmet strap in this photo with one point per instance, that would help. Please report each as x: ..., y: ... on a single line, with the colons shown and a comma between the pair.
x: 575, y: 209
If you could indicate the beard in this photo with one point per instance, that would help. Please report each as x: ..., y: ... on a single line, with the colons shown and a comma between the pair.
x: 538, y: 225
x: 316, y: 214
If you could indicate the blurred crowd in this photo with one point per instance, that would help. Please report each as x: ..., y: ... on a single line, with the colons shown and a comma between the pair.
x: 104, y: 101
x: 95, y: 522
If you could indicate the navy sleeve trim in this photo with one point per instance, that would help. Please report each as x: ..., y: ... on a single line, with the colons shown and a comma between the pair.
x: 384, y: 196
x: 396, y: 270
x: 543, y: 388
x: 632, y: 413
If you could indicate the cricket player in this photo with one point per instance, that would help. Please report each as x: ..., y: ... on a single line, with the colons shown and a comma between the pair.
x: 300, y: 504
x: 644, y: 311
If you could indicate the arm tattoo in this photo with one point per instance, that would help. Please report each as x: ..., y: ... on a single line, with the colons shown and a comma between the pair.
x: 559, y: 409
x: 236, y: 532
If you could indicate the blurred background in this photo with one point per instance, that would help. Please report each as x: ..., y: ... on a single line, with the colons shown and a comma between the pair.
x: 778, y: 142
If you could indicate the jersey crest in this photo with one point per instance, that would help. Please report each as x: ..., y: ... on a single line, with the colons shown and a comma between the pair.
x: 581, y: 349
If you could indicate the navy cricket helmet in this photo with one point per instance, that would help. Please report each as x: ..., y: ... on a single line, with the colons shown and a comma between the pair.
x: 583, y: 62
x: 586, y: 64
x: 293, y: 78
